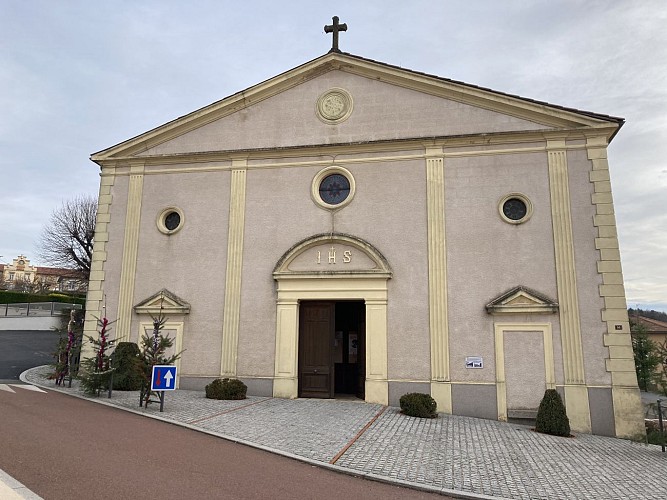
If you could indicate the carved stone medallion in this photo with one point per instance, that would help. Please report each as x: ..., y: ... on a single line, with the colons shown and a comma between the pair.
x: 334, y: 106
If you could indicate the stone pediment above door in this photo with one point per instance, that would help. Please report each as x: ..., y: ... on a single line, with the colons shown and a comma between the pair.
x: 332, y: 255
x: 163, y: 302
x: 522, y: 300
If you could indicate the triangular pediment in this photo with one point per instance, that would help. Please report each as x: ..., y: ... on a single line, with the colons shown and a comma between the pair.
x: 388, y: 103
x: 522, y: 300
x: 163, y: 302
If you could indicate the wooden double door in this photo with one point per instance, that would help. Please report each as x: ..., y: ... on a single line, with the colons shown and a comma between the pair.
x: 332, y: 354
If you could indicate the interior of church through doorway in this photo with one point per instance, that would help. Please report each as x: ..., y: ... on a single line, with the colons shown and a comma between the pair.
x: 332, y: 354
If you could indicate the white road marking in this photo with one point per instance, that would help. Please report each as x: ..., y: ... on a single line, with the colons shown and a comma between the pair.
x: 28, y: 387
x: 8, y: 388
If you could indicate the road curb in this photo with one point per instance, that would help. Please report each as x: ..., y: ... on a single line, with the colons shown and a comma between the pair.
x: 11, y: 489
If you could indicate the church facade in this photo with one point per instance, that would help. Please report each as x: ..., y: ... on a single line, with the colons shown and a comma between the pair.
x: 351, y: 227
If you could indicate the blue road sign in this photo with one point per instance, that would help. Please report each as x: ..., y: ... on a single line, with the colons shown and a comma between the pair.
x: 163, y: 378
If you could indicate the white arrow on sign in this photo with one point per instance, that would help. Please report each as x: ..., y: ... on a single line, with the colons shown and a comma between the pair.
x: 167, y: 379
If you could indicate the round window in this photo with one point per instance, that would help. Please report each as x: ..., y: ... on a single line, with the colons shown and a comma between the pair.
x: 170, y: 220
x: 333, y: 188
x: 515, y: 208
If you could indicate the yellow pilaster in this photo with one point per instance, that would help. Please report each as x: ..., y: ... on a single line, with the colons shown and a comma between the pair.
x: 576, y: 392
x: 377, y: 386
x: 130, y: 247
x: 286, y: 381
x: 441, y: 389
x: 232, y: 307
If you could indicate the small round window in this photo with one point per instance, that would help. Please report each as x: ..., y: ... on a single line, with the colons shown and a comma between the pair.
x: 515, y: 208
x: 333, y: 188
x: 170, y: 220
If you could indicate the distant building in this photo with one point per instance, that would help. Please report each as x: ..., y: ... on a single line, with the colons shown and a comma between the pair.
x: 22, y: 276
x: 656, y: 330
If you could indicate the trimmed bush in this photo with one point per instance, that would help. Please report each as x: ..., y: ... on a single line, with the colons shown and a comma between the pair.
x: 127, y: 374
x: 417, y: 404
x: 226, y: 388
x: 551, y: 416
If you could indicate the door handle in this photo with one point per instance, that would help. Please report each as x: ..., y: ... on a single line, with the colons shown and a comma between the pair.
x: 314, y: 371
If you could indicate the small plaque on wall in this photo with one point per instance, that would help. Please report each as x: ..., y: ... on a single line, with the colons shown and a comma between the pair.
x: 474, y: 362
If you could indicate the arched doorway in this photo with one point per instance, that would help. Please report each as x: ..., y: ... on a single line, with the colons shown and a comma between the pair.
x: 328, y: 270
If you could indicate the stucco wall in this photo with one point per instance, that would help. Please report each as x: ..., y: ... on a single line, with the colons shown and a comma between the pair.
x: 486, y: 256
x: 388, y: 211
x: 190, y: 263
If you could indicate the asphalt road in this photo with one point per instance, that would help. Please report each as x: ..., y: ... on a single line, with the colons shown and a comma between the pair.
x: 62, y: 447
x: 20, y: 350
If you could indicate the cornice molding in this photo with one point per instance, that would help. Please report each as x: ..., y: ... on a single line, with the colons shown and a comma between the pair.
x: 118, y: 165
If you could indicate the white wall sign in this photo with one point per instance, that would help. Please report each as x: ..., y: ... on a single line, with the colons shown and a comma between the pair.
x: 474, y: 362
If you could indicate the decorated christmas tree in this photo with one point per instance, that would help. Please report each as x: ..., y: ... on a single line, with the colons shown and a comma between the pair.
x: 97, y: 369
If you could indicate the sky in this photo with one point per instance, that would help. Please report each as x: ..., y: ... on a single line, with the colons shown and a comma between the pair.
x: 78, y: 76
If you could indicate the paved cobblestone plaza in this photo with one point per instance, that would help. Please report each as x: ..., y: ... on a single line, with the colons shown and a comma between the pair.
x: 468, y: 457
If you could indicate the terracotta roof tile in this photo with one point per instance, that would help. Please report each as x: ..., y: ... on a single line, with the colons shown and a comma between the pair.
x: 652, y: 325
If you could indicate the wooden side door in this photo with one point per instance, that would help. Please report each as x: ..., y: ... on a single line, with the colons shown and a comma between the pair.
x: 316, y: 334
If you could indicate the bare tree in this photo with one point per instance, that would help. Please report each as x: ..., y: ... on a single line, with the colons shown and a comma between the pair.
x: 23, y: 284
x: 67, y: 241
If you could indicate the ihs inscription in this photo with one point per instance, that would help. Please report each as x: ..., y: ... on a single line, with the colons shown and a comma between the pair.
x: 345, y: 256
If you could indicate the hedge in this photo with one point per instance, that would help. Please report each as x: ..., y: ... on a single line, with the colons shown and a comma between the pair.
x: 11, y: 297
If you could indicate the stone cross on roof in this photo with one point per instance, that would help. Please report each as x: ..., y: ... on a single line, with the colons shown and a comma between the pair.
x: 335, y: 28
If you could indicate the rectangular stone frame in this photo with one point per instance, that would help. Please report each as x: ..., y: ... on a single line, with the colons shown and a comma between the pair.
x: 549, y: 367
x: 178, y: 341
x: 373, y: 291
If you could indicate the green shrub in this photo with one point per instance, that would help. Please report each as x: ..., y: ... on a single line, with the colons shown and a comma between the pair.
x: 656, y: 437
x: 551, y: 416
x: 127, y: 373
x: 226, y: 388
x: 417, y: 404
